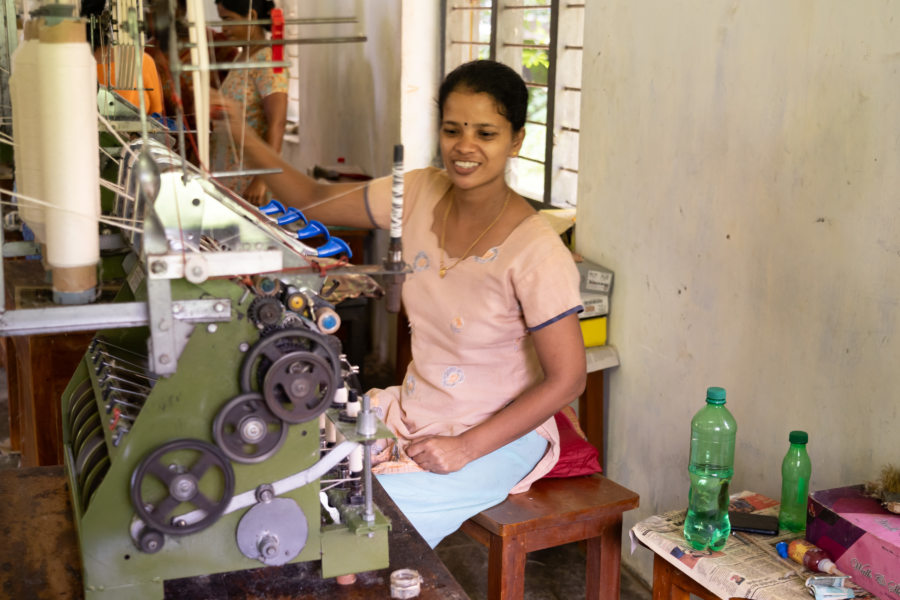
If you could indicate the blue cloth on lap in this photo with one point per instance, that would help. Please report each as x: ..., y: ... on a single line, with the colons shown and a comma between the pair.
x: 437, y: 505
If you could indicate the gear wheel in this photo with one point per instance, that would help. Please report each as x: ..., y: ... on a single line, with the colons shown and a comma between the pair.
x: 265, y: 312
x: 291, y: 319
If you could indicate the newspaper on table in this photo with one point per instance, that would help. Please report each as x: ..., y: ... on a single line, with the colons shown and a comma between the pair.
x: 747, y: 567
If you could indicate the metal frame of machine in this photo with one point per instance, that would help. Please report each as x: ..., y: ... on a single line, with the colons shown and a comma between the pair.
x: 214, y: 424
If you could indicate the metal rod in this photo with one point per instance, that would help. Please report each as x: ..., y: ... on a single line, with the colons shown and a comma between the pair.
x: 553, y: 52
x: 534, y: 160
x: 114, y: 400
x: 104, y: 345
x: 180, y: 123
x: 495, y: 28
x: 113, y: 388
x: 124, y: 415
x: 535, y: 46
x: 367, y: 473
x: 235, y: 66
x: 113, y: 362
x: 106, y: 376
x: 470, y: 43
x: 96, y: 358
x: 87, y: 317
x: 292, y: 41
x: 225, y: 174
x: 105, y: 368
x: 297, y: 21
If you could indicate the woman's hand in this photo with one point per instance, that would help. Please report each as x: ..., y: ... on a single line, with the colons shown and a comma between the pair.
x: 255, y: 193
x: 440, y: 454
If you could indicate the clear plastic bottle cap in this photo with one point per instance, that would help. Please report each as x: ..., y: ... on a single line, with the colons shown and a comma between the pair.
x: 798, y: 437
x: 715, y: 395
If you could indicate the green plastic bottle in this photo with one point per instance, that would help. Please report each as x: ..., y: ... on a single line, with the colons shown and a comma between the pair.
x: 795, y: 472
x: 713, y: 433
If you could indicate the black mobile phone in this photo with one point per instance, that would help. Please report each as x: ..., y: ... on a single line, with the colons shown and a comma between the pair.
x: 753, y: 523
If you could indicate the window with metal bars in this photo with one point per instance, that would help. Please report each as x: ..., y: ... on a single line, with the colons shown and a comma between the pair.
x: 542, y: 40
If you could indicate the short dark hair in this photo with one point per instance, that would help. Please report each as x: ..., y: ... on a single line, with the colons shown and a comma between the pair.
x: 263, y: 8
x: 497, y: 80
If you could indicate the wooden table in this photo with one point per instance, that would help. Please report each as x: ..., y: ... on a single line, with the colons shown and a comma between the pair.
x: 39, y: 556
x: 671, y: 584
x: 748, y: 566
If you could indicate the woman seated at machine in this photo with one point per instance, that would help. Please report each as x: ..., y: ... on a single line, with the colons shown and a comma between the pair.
x: 492, y: 302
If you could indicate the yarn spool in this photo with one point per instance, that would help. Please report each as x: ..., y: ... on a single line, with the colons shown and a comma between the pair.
x: 69, y: 157
x: 26, y: 124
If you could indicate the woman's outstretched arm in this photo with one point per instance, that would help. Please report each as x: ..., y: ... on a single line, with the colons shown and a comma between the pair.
x: 331, y: 203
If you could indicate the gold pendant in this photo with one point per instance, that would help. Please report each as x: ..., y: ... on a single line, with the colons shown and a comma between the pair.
x: 442, y: 272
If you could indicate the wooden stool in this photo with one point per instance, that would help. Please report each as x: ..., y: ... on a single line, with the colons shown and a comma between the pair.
x: 552, y: 513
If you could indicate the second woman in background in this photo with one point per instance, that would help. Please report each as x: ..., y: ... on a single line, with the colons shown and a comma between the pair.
x: 261, y: 93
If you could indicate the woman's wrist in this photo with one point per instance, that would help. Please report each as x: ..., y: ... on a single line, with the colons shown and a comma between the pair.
x: 472, y: 442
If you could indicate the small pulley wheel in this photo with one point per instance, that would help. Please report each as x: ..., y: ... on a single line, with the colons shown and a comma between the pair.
x: 175, y: 479
x: 247, y: 431
x: 269, y: 349
x: 150, y: 541
x: 299, y: 386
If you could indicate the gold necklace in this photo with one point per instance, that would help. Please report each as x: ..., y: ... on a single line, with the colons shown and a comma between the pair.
x: 443, y: 270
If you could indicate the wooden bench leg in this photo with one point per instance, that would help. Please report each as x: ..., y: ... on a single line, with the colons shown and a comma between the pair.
x: 604, y: 554
x: 506, y: 569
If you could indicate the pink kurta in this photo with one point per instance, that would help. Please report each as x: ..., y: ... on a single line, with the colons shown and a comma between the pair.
x: 471, y: 346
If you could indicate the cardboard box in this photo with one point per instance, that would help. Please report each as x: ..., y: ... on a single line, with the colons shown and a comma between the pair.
x: 594, y: 278
x: 595, y: 305
x: 860, y: 536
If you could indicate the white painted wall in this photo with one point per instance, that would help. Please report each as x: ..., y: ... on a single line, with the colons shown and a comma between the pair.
x: 739, y: 173
x: 349, y: 93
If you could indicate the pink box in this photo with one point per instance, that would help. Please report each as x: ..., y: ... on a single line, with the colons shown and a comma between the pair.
x: 859, y: 535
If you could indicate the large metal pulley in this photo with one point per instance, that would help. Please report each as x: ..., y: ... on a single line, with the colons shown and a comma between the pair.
x: 299, y: 386
x: 178, y: 477
x: 247, y: 431
x: 296, y: 370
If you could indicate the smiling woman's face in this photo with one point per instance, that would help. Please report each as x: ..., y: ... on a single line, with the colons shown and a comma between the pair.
x: 475, y: 139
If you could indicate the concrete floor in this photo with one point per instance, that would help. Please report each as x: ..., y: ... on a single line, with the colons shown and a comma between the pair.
x: 553, y: 574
